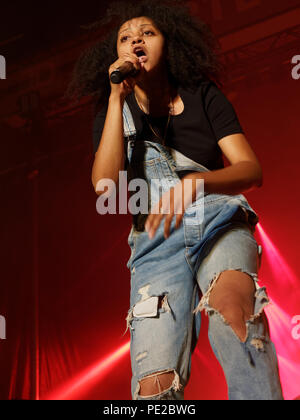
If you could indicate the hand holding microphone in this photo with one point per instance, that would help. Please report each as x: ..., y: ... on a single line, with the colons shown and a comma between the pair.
x: 123, y: 74
x: 125, y: 70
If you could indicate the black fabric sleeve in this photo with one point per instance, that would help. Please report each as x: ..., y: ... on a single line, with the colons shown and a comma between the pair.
x: 98, y: 126
x: 221, y: 113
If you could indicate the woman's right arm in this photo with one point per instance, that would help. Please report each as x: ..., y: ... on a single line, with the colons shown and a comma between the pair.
x: 109, y: 158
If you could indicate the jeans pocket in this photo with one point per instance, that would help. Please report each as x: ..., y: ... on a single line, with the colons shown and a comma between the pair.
x: 250, y: 215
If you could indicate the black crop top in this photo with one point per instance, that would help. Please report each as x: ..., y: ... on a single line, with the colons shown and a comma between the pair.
x: 208, y: 116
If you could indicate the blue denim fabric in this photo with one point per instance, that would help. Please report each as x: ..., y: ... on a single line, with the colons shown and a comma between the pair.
x: 164, y: 315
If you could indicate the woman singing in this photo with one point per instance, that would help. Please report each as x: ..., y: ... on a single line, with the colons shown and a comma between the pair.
x: 172, y: 123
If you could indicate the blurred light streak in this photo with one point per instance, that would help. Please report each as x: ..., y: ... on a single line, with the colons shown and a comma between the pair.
x: 94, y: 373
x: 285, y: 285
x: 290, y: 378
x: 277, y: 263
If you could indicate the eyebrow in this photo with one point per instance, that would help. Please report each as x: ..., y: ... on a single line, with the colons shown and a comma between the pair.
x: 144, y: 24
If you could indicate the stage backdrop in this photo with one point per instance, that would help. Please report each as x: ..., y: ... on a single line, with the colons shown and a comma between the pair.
x: 64, y: 282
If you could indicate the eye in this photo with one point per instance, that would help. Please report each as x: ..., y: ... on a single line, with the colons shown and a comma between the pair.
x: 124, y: 38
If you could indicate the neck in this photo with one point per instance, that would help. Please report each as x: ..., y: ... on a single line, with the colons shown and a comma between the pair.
x: 154, y: 91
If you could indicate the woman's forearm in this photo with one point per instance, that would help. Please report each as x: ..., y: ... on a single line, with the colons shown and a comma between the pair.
x: 109, y: 158
x: 234, y: 179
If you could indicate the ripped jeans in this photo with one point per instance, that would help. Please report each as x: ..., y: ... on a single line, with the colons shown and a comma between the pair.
x: 165, y: 311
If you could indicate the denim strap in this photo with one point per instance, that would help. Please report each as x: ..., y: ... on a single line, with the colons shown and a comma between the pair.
x: 128, y: 123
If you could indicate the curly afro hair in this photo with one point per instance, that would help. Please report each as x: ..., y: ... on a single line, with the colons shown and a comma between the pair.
x: 192, y: 50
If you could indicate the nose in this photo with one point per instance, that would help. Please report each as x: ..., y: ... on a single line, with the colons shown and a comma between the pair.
x: 137, y: 40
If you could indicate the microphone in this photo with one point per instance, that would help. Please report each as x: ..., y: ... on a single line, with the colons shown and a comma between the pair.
x: 125, y: 70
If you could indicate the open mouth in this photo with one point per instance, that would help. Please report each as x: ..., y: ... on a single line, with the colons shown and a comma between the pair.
x: 139, y: 52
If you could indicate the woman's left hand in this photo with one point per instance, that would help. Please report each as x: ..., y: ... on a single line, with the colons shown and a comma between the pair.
x: 174, y: 202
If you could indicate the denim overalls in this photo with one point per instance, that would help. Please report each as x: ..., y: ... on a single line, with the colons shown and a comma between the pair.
x: 164, y: 314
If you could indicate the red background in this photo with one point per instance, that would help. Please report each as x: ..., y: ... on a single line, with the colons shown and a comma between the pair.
x: 64, y: 282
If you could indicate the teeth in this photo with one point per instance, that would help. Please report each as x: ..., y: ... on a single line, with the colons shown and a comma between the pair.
x: 139, y: 52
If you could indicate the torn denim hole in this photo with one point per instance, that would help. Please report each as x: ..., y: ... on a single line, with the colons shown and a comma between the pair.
x: 204, y: 302
x: 165, y: 304
x: 143, y: 291
x: 175, y: 384
x: 261, y: 300
x: 257, y: 341
x: 141, y: 356
x: 128, y: 319
x: 147, y: 307
x: 144, y: 309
